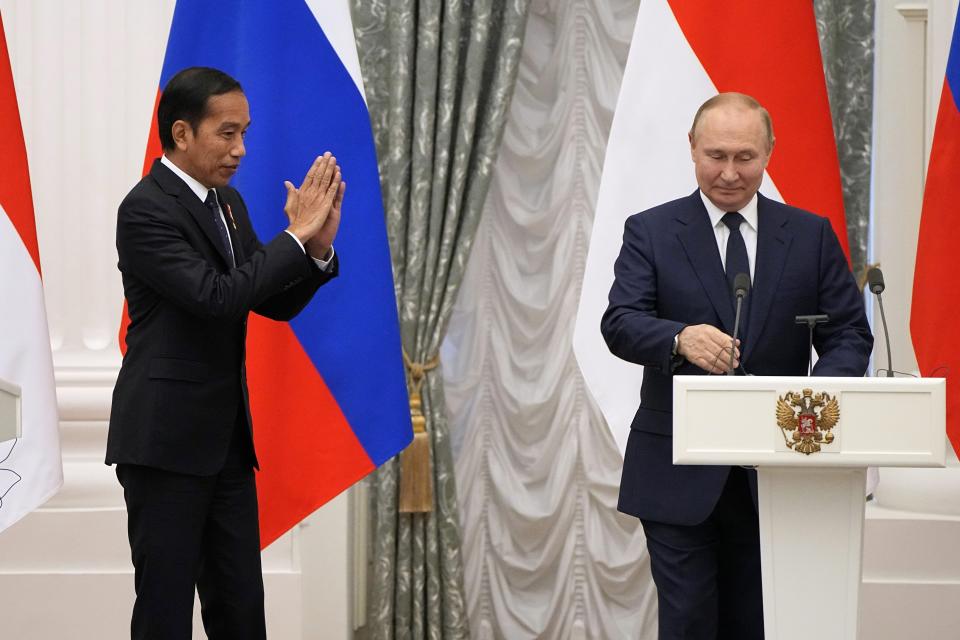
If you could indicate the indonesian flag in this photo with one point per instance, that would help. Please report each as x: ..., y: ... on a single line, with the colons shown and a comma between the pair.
x: 684, y: 52
x: 935, y: 309
x: 30, y: 467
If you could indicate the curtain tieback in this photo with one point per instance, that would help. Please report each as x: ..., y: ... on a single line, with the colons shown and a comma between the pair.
x: 416, y: 478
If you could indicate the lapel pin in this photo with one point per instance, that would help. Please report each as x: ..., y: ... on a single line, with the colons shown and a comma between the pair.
x: 233, y: 222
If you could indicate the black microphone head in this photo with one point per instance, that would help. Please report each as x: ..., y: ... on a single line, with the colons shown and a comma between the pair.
x: 875, y: 280
x: 741, y: 284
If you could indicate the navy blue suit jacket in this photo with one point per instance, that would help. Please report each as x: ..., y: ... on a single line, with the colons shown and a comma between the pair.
x: 669, y: 275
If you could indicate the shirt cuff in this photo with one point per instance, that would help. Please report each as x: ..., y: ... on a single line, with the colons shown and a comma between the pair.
x: 322, y: 264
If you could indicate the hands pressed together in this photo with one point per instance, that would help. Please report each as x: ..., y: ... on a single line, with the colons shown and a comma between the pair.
x: 313, y: 209
x: 707, y: 347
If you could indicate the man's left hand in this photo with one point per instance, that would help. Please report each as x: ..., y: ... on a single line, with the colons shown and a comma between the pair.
x: 319, y: 245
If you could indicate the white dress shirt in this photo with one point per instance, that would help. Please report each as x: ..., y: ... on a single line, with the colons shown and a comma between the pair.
x: 748, y: 229
x: 201, y: 192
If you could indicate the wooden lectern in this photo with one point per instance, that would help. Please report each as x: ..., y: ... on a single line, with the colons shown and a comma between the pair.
x: 811, y: 440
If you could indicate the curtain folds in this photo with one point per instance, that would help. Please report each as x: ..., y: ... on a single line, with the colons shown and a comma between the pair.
x: 438, y: 77
x: 847, y: 45
x: 546, y: 554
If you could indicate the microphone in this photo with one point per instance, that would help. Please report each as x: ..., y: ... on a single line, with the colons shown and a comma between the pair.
x: 875, y: 281
x: 741, y: 286
x: 811, y: 321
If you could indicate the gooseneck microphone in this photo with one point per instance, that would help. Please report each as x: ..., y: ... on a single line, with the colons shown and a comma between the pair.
x: 875, y: 282
x: 741, y: 286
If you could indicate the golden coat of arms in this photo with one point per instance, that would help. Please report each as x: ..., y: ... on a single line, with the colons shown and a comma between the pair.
x: 807, y: 420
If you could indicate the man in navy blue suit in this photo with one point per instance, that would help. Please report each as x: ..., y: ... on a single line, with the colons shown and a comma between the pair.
x: 672, y: 311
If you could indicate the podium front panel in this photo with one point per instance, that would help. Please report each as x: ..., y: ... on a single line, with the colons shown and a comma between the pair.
x: 801, y: 421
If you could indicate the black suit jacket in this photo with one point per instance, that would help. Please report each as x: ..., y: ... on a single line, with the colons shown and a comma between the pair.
x: 183, y: 378
x: 669, y: 275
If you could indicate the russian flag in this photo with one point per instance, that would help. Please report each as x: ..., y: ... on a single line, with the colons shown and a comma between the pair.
x: 936, y: 290
x: 678, y: 59
x: 327, y: 391
x: 31, y: 470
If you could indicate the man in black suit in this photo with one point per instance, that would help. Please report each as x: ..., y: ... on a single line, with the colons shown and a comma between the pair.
x: 671, y: 310
x: 180, y: 429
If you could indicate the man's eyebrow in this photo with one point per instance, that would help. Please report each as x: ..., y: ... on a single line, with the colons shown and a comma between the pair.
x: 230, y: 125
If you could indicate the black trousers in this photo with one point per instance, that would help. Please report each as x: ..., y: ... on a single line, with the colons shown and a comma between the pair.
x: 708, y: 575
x: 196, y: 532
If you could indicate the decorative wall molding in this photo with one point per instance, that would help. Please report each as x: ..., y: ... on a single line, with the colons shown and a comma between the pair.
x: 913, y: 10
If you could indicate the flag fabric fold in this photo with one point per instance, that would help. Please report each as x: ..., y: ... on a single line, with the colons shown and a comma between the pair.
x: 936, y: 292
x: 327, y: 390
x: 31, y: 470
x: 678, y: 59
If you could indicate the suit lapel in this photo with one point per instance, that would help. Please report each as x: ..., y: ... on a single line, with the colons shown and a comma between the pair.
x: 175, y: 187
x: 700, y: 244
x: 773, y: 245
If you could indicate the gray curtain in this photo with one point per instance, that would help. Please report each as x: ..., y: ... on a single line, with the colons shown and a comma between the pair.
x: 438, y: 76
x: 847, y: 45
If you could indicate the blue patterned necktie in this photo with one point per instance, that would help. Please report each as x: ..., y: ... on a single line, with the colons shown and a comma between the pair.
x: 737, y: 262
x: 211, y: 203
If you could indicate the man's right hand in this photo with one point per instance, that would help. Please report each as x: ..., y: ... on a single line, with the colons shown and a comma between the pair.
x: 707, y: 347
x: 308, y: 207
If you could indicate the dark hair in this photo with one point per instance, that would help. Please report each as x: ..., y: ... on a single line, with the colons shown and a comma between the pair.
x: 185, y: 98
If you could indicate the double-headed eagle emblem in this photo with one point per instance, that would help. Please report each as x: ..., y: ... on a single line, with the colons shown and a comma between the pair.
x: 808, y: 418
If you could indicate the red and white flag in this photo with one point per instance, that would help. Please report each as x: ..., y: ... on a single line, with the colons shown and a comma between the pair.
x: 30, y: 466
x: 682, y: 53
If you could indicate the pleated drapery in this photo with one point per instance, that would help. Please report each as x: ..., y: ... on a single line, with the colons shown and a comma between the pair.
x: 847, y: 45
x: 546, y: 553
x: 438, y: 76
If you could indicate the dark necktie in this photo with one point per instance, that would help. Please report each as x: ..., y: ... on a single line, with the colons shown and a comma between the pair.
x: 211, y: 203
x: 737, y: 262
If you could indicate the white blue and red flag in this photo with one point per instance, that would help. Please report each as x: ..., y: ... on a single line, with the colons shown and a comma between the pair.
x: 327, y: 390
x: 936, y: 290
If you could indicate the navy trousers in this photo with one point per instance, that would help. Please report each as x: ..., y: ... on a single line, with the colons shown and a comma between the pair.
x: 708, y: 575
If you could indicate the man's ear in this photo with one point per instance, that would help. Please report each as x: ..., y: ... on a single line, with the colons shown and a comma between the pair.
x: 690, y: 139
x: 770, y: 152
x: 181, y: 130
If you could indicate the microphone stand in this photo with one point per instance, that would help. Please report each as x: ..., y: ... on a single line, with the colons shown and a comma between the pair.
x: 811, y: 321
x: 877, y: 287
x: 883, y: 319
x: 741, y: 285
x: 736, y: 327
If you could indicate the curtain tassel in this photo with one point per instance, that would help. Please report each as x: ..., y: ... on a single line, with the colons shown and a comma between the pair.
x: 416, y: 472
